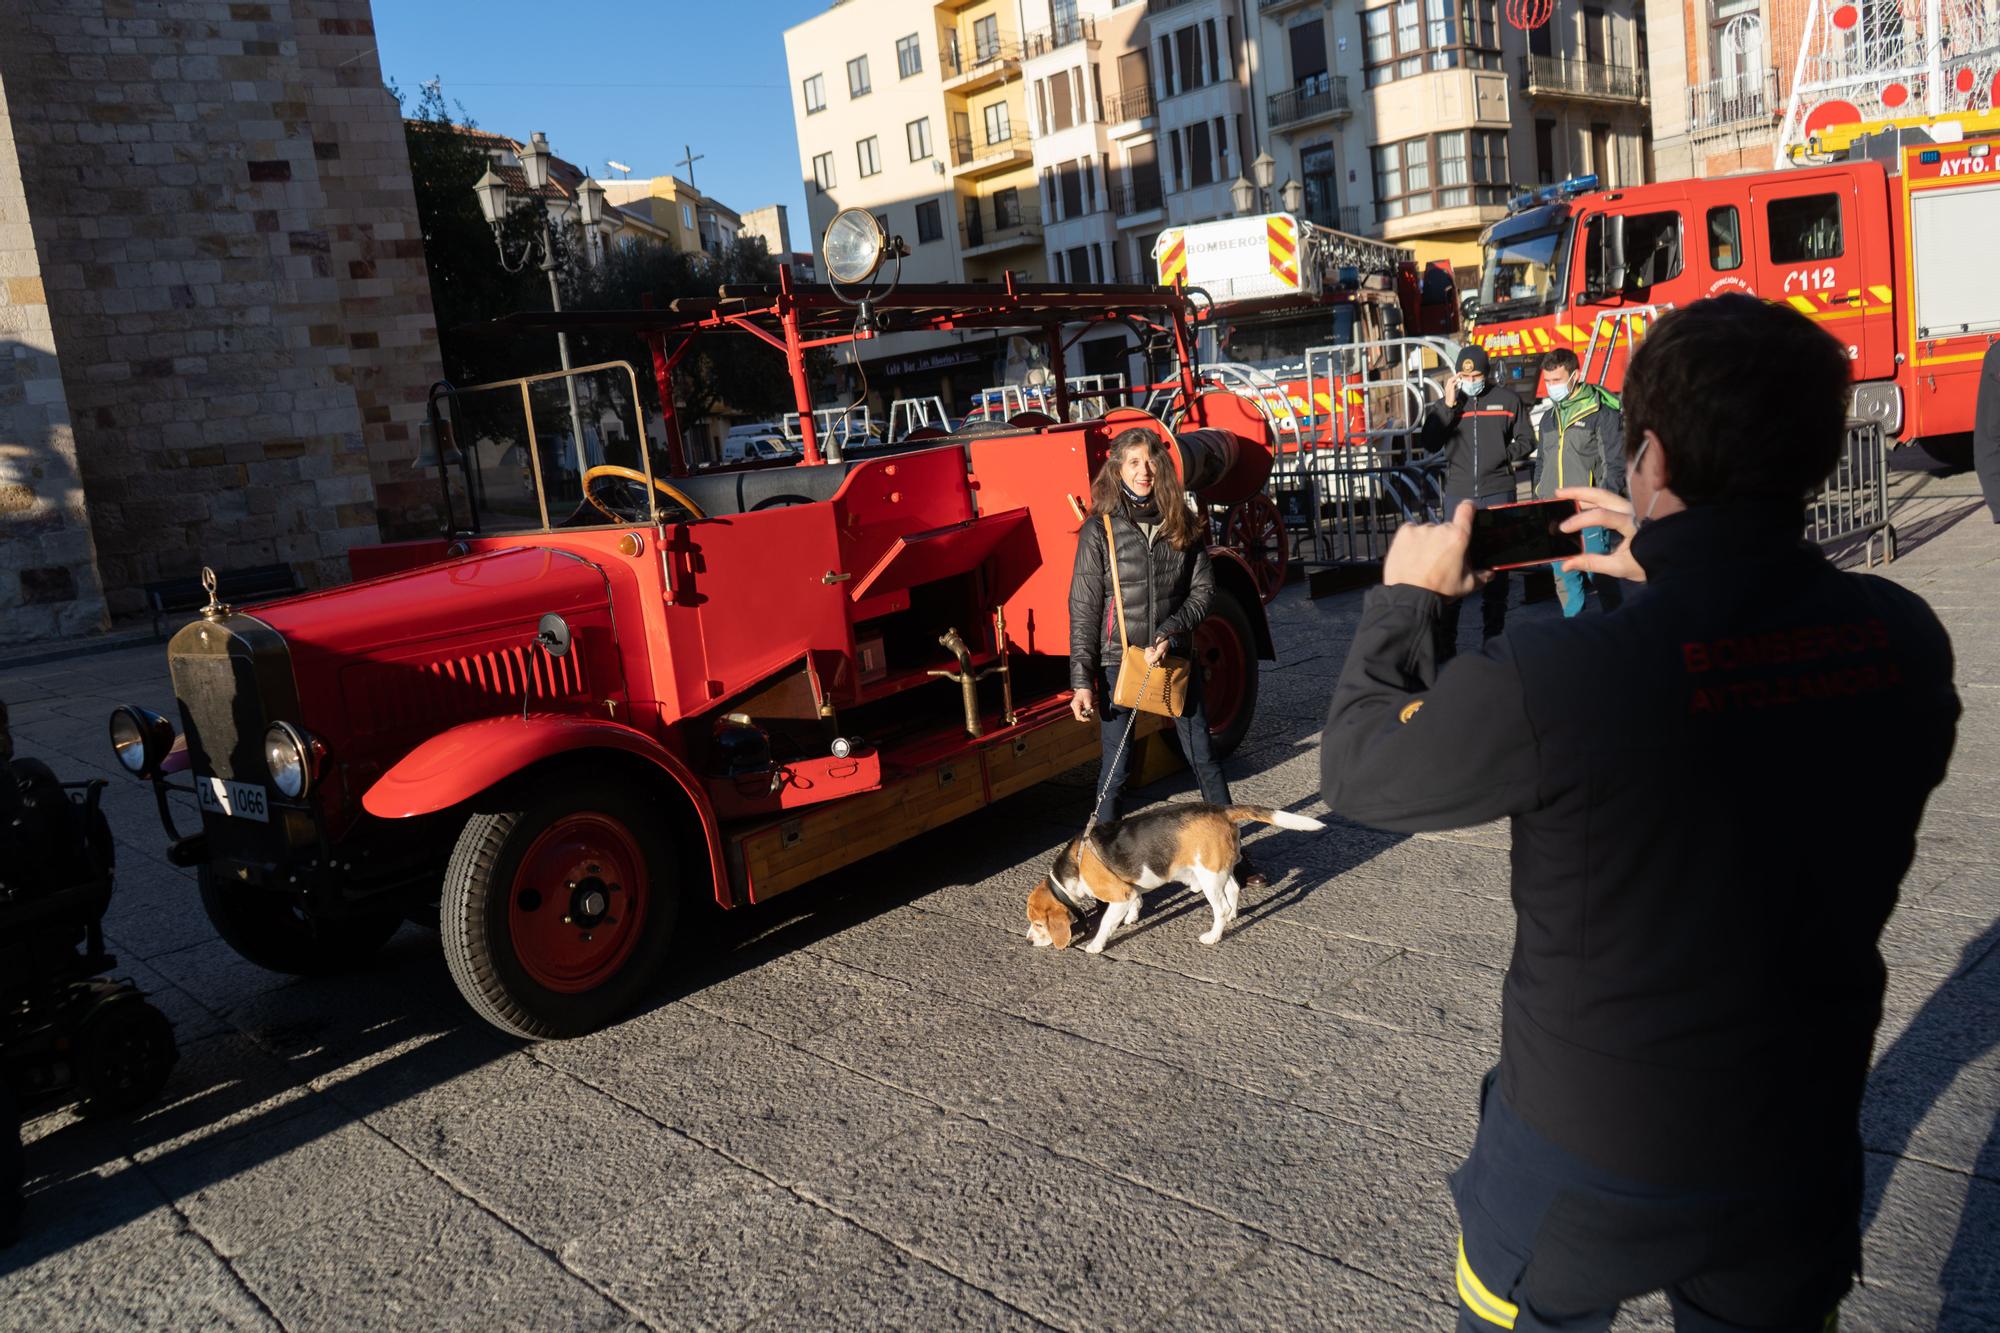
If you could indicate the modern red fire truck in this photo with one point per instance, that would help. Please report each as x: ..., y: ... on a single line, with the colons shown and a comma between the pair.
x: 1887, y: 242
x: 612, y: 680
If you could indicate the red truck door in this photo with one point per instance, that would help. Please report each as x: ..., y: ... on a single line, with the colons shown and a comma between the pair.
x: 1809, y: 243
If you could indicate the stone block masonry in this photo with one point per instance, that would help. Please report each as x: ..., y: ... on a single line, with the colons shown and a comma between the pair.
x: 215, y: 322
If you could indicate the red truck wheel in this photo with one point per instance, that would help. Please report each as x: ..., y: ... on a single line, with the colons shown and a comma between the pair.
x: 266, y: 927
x: 556, y: 917
x: 1256, y: 528
x: 1227, y: 651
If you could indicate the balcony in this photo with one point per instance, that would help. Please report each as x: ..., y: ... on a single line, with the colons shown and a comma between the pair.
x: 1274, y: 6
x: 1137, y: 200
x: 1162, y: 6
x: 1721, y: 106
x: 1062, y: 34
x: 1319, y: 98
x: 1130, y: 106
x: 981, y: 235
x: 977, y: 155
x: 1582, y: 80
x: 986, y: 64
x: 1344, y: 217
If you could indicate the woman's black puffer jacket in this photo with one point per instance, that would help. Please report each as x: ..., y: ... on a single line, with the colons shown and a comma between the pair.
x: 1167, y: 591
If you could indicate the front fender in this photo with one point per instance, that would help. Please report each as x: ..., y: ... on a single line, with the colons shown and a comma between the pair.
x: 1233, y: 576
x: 456, y: 765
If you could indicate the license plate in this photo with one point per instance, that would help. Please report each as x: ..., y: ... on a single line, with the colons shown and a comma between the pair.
x: 245, y: 800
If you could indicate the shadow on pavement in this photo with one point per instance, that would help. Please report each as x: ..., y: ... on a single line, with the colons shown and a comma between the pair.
x: 1955, y: 1027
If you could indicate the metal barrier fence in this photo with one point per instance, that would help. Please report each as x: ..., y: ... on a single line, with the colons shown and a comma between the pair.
x: 1344, y: 505
x: 1854, y: 502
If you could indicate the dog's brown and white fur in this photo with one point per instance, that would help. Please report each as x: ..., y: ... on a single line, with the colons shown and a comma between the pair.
x: 1191, y: 843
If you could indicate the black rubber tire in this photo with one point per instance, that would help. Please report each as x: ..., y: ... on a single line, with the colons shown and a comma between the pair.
x: 11, y: 1166
x: 1951, y: 451
x: 265, y: 927
x: 473, y: 924
x: 1222, y: 744
x: 124, y: 1052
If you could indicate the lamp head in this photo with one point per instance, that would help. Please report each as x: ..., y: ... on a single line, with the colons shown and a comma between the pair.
x: 535, y: 161
x: 492, y: 192
x: 854, y: 246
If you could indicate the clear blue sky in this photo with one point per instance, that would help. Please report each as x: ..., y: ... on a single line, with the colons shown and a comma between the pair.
x: 631, y: 82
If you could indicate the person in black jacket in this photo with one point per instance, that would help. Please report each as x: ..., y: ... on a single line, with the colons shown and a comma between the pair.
x: 1168, y: 586
x: 1695, y: 981
x: 1483, y: 429
x: 1986, y: 429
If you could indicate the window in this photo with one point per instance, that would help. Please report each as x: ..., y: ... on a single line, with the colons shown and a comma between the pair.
x: 1725, y: 239
x: 918, y: 132
x: 1407, y: 37
x: 1062, y: 112
x: 1070, y: 189
x: 868, y: 153
x: 930, y: 222
x: 815, y: 94
x: 823, y: 172
x: 1187, y: 60
x: 1449, y: 170
x: 687, y: 215
x: 998, y: 128
x: 1007, y: 208
x: 1652, y: 250
x: 909, y: 57
x: 857, y: 77
x: 986, y: 39
x: 1803, y: 230
x: 1545, y: 151
x: 1201, y: 159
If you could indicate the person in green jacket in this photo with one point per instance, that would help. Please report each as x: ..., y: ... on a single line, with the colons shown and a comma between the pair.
x: 1581, y: 444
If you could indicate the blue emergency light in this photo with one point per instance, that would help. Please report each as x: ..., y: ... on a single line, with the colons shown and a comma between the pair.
x: 1548, y: 194
x: 1930, y: 155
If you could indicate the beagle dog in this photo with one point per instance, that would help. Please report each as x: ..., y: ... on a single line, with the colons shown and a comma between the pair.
x: 1192, y: 843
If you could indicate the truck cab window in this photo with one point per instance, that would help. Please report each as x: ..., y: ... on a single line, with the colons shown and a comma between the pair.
x: 1725, y: 239
x: 1804, y: 229
x: 1652, y: 250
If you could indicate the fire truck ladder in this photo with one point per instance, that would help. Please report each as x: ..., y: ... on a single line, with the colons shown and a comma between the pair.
x: 1338, y: 250
x: 1630, y: 324
x: 847, y: 424
x: 1004, y: 402
x: 913, y: 414
x: 1091, y: 396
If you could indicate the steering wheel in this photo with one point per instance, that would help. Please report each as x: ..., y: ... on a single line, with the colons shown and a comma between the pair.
x: 638, y: 495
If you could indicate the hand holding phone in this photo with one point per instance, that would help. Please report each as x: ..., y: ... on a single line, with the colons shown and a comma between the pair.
x: 1432, y: 555
x: 1514, y: 536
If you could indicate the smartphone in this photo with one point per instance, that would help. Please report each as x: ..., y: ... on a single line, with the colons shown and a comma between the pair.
x: 1513, y: 536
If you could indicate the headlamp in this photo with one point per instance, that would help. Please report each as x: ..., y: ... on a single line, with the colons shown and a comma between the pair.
x: 140, y: 738
x: 292, y: 758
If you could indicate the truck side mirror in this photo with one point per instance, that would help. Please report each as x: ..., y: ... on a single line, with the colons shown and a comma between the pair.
x: 1614, y: 253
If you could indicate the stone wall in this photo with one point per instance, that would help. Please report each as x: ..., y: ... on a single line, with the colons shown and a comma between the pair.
x: 220, y: 199
x: 48, y: 570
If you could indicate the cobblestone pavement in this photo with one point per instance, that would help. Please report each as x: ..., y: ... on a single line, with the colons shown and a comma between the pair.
x: 872, y: 1104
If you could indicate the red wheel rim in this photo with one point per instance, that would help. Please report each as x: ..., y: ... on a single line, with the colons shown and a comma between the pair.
x: 578, y: 903
x: 1224, y: 662
x: 1256, y: 528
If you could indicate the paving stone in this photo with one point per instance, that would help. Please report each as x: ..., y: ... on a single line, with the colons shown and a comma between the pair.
x: 897, y: 1292
x: 217, y: 976
x: 1261, y: 952
x: 419, y: 1259
x: 247, y: 1191
x: 783, y: 1110
x: 83, y: 1211
x: 1283, y: 1287
x: 1407, y: 1084
x: 171, y: 1280
x: 939, y: 954
x: 1070, y: 1246
x: 1931, y: 1231
x: 729, y: 1248
x: 1419, y: 993
x: 794, y: 995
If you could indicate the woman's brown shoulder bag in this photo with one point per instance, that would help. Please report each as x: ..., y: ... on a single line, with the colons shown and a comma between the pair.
x: 1158, y: 689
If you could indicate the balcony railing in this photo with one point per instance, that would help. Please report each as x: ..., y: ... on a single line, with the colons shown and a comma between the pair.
x: 970, y: 148
x: 1316, y: 98
x: 1162, y: 6
x: 1265, y: 6
x: 1740, y: 103
x: 1344, y: 217
x: 1137, y: 197
x: 1562, y: 77
x: 982, y: 56
x: 1020, y: 224
x: 1061, y: 35
x: 1136, y: 104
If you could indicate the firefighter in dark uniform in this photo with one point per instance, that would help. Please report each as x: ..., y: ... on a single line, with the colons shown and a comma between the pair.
x: 1695, y: 981
x: 1986, y: 429
x: 1483, y: 429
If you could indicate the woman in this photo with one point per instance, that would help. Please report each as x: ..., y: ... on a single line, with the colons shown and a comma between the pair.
x: 1168, y: 586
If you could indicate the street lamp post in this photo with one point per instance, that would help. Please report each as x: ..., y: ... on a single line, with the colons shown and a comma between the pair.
x: 492, y: 194
x: 1255, y: 193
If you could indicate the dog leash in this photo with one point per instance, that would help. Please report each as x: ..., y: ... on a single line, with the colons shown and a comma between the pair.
x: 1076, y: 911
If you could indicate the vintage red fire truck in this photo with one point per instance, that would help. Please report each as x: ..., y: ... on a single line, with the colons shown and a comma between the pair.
x: 607, y: 685
x: 1887, y: 242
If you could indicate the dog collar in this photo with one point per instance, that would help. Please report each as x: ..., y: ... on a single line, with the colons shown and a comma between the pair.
x: 1076, y: 913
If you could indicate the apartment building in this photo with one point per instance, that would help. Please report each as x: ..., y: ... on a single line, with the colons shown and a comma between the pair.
x: 914, y: 110
x: 691, y: 220
x: 1414, y: 120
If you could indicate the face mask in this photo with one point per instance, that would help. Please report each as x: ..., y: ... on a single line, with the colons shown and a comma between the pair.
x: 1558, y: 392
x: 1474, y: 385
